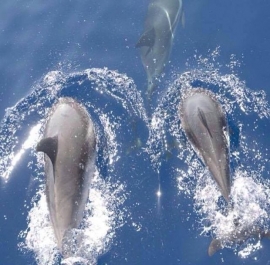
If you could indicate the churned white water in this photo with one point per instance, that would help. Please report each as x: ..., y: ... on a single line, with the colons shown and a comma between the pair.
x: 100, y: 91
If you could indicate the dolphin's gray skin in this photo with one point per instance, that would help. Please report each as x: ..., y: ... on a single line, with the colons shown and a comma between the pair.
x: 69, y: 144
x: 205, y: 126
x: 156, y: 41
x: 239, y: 236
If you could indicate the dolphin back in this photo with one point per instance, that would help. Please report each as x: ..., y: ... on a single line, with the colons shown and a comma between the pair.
x: 69, y: 146
x: 156, y: 40
x: 205, y: 126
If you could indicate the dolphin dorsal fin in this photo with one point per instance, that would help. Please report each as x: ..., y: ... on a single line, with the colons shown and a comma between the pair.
x: 49, y: 146
x: 204, y: 121
x: 214, y: 246
x: 147, y: 39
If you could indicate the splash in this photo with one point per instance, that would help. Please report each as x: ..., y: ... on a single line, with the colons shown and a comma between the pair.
x: 119, y: 87
x: 30, y: 142
x: 98, y: 229
x: 95, y: 87
x: 236, y: 98
x: 27, y: 113
x: 240, y: 227
x: 249, y: 160
x: 113, y: 102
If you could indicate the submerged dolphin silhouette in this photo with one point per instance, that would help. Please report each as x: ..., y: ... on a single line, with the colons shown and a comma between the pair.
x: 156, y: 41
x: 238, y: 236
x: 205, y: 126
x: 69, y: 144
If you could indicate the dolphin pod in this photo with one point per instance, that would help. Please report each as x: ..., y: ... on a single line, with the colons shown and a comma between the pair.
x: 206, y: 128
x: 69, y: 146
x: 156, y: 41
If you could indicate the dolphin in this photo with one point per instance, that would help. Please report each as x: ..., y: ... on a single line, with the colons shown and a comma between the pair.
x: 206, y: 128
x: 156, y: 41
x: 238, y: 236
x: 69, y: 146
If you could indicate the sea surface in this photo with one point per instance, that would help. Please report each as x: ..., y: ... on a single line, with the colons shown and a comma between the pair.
x: 151, y: 200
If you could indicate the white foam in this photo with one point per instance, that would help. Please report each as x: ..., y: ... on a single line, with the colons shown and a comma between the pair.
x: 250, y: 192
x: 104, y: 214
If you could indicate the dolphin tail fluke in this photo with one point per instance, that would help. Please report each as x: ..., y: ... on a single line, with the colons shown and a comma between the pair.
x: 183, y: 21
x: 214, y: 246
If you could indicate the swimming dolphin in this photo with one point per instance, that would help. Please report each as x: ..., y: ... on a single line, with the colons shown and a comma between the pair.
x: 239, y: 236
x: 205, y: 126
x: 156, y: 41
x: 69, y: 144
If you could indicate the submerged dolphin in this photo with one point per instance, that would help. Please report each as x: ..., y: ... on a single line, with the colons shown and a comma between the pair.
x: 239, y: 236
x: 156, y: 41
x: 205, y: 126
x: 69, y: 144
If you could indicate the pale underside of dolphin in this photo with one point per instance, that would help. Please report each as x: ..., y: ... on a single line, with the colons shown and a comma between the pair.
x: 69, y: 146
x: 205, y: 126
x: 156, y: 41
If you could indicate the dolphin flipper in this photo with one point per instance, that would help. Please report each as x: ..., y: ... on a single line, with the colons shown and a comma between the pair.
x: 49, y: 146
x: 214, y: 246
x: 204, y: 121
x: 147, y: 39
x: 183, y: 20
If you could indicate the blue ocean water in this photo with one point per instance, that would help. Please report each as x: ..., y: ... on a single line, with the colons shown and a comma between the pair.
x: 85, y: 50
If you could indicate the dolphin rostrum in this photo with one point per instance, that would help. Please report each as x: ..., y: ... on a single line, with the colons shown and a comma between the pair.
x: 156, y: 41
x: 69, y: 144
x: 205, y: 126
